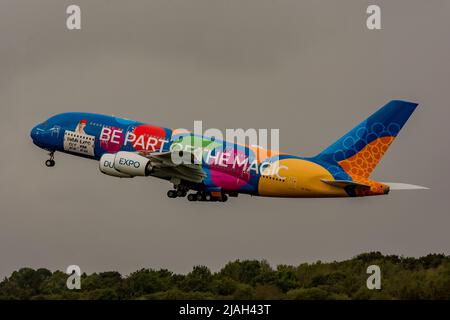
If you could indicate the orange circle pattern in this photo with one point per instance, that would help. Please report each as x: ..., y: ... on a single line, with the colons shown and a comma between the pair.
x: 362, y: 163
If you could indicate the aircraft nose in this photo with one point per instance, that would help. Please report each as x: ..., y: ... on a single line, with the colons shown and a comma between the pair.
x: 34, y: 133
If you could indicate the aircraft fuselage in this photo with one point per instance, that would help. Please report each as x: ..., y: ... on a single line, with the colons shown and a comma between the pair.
x: 127, y: 148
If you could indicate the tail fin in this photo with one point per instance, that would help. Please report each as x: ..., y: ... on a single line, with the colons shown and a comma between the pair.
x: 360, y: 150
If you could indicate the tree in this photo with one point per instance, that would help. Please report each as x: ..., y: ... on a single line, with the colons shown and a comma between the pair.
x: 402, y: 278
x: 199, y: 279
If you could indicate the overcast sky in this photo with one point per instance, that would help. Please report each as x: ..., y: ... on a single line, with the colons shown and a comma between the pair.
x: 310, y: 68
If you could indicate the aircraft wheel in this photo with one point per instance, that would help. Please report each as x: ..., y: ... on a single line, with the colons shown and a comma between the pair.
x: 172, y: 194
x: 50, y: 163
x: 192, y: 197
x: 181, y: 193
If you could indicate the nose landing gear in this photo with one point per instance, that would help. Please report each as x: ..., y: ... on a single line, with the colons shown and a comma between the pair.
x: 51, y: 162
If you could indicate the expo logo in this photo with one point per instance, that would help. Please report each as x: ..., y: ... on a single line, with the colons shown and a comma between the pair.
x: 129, y: 163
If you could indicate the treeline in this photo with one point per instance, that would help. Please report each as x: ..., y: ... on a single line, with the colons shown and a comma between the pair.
x: 401, y: 278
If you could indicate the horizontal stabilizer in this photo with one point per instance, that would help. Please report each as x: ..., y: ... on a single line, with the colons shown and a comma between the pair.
x: 404, y: 186
x: 345, y: 183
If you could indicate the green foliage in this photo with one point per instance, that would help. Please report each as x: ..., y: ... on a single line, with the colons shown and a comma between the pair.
x: 402, y: 278
x: 310, y: 294
x: 199, y: 279
x: 146, y: 281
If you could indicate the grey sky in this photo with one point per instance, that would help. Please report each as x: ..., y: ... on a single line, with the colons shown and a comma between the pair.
x: 309, y: 68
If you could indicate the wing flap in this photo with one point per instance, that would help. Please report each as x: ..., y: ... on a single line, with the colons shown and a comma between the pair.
x: 165, y: 167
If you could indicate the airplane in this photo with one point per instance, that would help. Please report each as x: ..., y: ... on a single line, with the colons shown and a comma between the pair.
x: 127, y: 149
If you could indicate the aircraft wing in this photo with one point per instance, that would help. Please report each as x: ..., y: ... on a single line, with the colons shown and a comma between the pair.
x: 164, y: 167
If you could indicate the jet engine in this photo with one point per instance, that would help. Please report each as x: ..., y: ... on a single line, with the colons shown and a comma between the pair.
x: 106, y: 165
x: 132, y: 164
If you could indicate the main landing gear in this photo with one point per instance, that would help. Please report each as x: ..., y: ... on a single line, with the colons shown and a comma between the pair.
x: 199, y: 196
x: 206, y: 196
x: 176, y: 193
x: 180, y: 191
x: 51, y: 162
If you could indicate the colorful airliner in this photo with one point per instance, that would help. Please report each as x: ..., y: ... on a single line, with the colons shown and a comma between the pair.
x: 126, y: 149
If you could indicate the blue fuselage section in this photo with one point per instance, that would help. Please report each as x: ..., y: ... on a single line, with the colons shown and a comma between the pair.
x: 51, y: 134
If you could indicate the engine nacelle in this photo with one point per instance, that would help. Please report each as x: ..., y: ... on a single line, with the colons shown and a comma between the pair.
x: 106, y: 166
x: 132, y: 164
